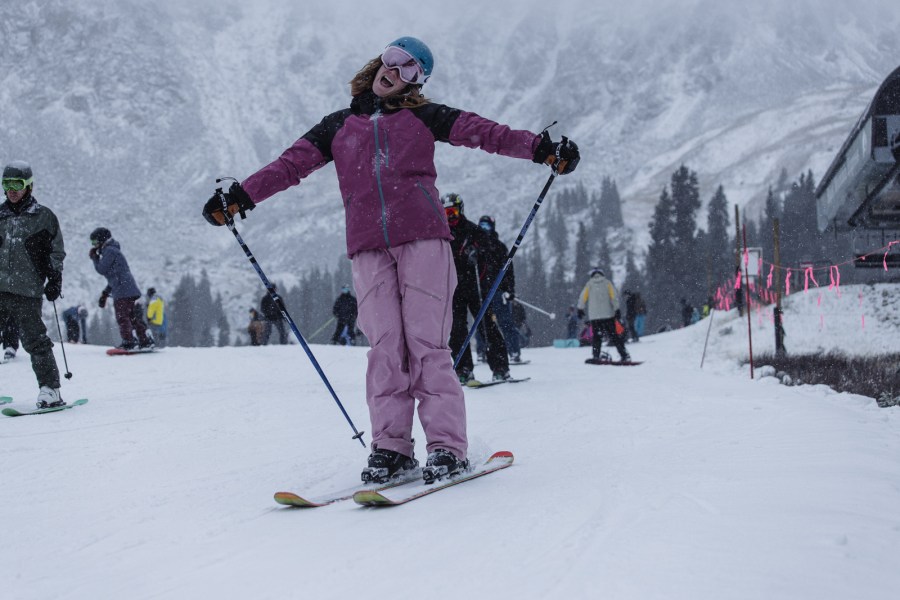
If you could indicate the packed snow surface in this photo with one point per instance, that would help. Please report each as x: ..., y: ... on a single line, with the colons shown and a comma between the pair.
x: 662, y: 480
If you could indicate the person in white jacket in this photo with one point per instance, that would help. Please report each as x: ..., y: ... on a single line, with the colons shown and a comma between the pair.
x: 600, y: 300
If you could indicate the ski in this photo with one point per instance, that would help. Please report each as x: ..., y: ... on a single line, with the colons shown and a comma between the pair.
x: 613, y: 363
x: 519, y: 362
x: 475, y: 384
x: 5, y: 399
x: 121, y: 352
x: 11, y: 412
x: 292, y: 499
x: 497, y: 461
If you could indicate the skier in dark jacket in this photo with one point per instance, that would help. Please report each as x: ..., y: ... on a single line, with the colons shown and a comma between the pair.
x: 271, y: 312
x: 383, y: 148
x: 344, y: 311
x: 468, y: 245
x: 31, y: 264
x: 106, y: 254
x: 493, y: 258
x: 75, y: 319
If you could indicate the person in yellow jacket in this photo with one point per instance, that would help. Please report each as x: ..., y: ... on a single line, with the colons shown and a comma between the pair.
x: 601, y: 301
x: 156, y: 317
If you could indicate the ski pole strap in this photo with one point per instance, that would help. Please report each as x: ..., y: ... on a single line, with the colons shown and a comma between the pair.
x: 499, y: 278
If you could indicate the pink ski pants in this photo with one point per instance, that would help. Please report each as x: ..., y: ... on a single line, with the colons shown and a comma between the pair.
x: 405, y: 297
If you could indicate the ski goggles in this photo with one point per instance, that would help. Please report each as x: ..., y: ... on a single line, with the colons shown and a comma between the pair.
x: 411, y: 71
x: 16, y: 185
x: 452, y: 211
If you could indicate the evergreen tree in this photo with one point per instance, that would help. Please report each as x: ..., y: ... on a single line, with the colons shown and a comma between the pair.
x: 718, y: 246
x: 610, y: 204
x: 222, y: 324
x: 582, y: 255
x: 689, y: 273
x: 661, y: 288
x: 204, y: 315
x: 181, y: 313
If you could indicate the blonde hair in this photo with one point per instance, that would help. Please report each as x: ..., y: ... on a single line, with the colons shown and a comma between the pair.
x: 410, y: 97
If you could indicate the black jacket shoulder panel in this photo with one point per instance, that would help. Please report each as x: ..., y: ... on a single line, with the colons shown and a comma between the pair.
x: 438, y: 118
x: 322, y: 135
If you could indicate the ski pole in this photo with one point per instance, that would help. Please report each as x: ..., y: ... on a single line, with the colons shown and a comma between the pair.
x: 319, y: 330
x: 61, y: 344
x: 532, y: 306
x: 509, y: 257
x: 229, y: 221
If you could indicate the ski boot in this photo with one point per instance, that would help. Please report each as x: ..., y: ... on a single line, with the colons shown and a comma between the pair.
x: 9, y: 353
x: 465, y: 376
x: 385, y: 465
x: 127, y: 345
x: 49, y: 398
x: 147, y: 344
x: 502, y: 375
x: 442, y: 463
x: 515, y: 358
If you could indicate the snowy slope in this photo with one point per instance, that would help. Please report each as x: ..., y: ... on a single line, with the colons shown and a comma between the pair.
x: 657, y: 481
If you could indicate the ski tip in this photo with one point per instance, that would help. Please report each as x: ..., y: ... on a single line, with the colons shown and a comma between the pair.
x: 371, y: 498
x: 504, y: 455
x: 291, y: 499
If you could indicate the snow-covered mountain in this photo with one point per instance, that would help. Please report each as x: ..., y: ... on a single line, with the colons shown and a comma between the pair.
x: 130, y: 110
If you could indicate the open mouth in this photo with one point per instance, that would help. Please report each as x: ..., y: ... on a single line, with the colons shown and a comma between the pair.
x: 387, y: 81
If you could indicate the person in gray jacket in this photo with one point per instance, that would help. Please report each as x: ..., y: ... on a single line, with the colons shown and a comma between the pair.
x: 31, y: 264
x: 601, y: 300
x: 110, y: 262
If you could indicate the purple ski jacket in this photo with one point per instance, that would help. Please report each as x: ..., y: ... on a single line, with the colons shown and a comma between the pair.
x: 385, y: 166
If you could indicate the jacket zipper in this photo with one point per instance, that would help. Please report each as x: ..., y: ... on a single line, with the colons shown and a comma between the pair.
x: 429, y: 198
x: 378, y: 156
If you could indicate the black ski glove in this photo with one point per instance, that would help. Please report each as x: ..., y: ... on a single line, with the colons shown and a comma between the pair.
x: 103, y: 297
x: 580, y: 314
x: 236, y: 198
x: 54, y: 286
x: 562, y: 156
x: 618, y: 315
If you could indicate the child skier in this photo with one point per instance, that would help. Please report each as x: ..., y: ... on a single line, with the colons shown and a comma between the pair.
x: 398, y: 240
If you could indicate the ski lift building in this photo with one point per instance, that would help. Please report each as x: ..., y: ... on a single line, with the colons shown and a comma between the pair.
x: 860, y: 191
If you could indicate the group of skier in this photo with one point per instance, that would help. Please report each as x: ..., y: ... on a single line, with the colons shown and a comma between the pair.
x: 32, y: 254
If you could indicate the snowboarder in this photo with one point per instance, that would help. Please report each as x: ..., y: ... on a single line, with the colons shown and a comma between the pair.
x: 571, y: 323
x: 31, y: 264
x: 344, y: 311
x: 601, y: 301
x: 398, y: 240
x: 469, y: 245
x: 271, y: 313
x: 494, y: 257
x: 106, y: 254
x: 157, y: 319
x: 75, y: 319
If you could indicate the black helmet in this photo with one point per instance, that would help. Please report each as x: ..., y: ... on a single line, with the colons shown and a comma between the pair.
x: 151, y: 292
x: 100, y: 235
x: 453, y: 200
x: 19, y: 169
x: 487, y: 222
x: 597, y: 271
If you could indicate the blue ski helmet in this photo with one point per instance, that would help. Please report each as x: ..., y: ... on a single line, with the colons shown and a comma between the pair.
x: 418, y: 50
